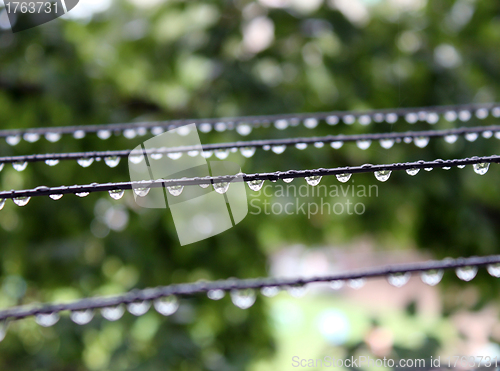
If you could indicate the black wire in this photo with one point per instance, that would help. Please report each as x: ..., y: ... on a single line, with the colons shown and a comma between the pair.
x: 236, y: 284
x: 367, y: 168
x: 231, y: 123
x: 398, y: 137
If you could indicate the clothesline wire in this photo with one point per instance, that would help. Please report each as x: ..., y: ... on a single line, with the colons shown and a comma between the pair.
x: 367, y: 168
x: 255, y: 144
x: 251, y: 120
x: 238, y: 284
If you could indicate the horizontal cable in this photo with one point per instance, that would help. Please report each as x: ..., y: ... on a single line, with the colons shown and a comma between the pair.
x: 232, y: 285
x: 244, y: 124
x: 471, y: 134
x: 382, y: 172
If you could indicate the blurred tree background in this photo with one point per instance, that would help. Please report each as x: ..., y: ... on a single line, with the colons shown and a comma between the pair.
x: 138, y: 60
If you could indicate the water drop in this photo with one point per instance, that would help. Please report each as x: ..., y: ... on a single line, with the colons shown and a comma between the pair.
x: 450, y: 116
x: 398, y: 279
x: 464, y: 116
x: 47, y: 320
x: 319, y: 144
x: 495, y: 112
x: 220, y: 126
x: 356, y: 283
x: 379, y: 117
x: 174, y: 155
x: 432, y: 277
x: 494, y: 269
x: 2, y: 166
x: 52, y: 162
x: 56, y: 197
x: 157, y: 130
x: 461, y: 166
x: 31, y: 137
x: 204, y: 185
x: 288, y: 180
x: 104, y: 134
x: 243, y: 299
x: 482, y: 168
x: 243, y: 129
x: 365, y: 120
x: 53, y: 137
x: 386, y: 143
x: 139, y: 308
x: 247, y: 151
x: 428, y: 168
x: 313, y: 180
x: 221, y: 188
x: 135, y: 159
x: 413, y: 171
x: 129, y: 133
x: 278, y: 149
x: 156, y: 156
x: 337, y: 144
x: 451, y: 138
x: 337, y: 284
x: 421, y: 142
x: 82, y: 194
x: 466, y: 273
x: 222, y: 154
x: 21, y: 201
x: 3, y: 329
x: 482, y: 113
x: 471, y: 137
x: 85, y: 162
x: 349, y: 119
x: 281, y: 124
x: 344, y: 178
x: 216, y: 294
x: 411, y: 118
x: 13, y: 140
x: 446, y: 168
x: 167, y: 306
x: 310, y: 123
x: 487, y: 134
x: 301, y: 146
x: 19, y: 166
x: 183, y: 130
x: 2, y: 203
x: 207, y: 154
x: 270, y: 291
x: 407, y: 140
x: 383, y: 175
x: 391, y: 118
x: 297, y: 291
x: 363, y: 144
x: 422, y: 116
x: 112, y: 161
x: 432, y: 118
x: 175, y: 190
x: 141, y: 191
x: 332, y: 120
x: 255, y: 185
x: 82, y: 317
x: 193, y: 153
x: 116, y: 194
x: 79, y: 134
x: 113, y: 313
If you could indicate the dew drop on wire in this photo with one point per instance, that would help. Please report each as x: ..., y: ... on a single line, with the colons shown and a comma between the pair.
x: 221, y: 187
x: 104, y: 134
x: 82, y: 317
x: 450, y: 116
x: 281, y: 124
x: 244, y: 298
x: 344, y: 178
x: 175, y: 190
x: 466, y: 273
x: 446, y: 168
x: 407, y: 140
x: 313, y: 180
x: 79, y: 134
x: 82, y: 194
x: 139, y: 308
x: 365, y: 120
x: 386, y: 143
x: 204, y: 185
x: 136, y: 159
x: 31, y: 137
x: 349, y: 119
x: 53, y: 137
x: 451, y: 138
x: 432, y: 118
x: 464, y: 116
x: 157, y: 130
x: 487, y: 134
x: 19, y: 166
x: 398, y: 279
x: 21, y: 201
x: 156, y: 156
x: 113, y: 313
x: 482, y: 168
x: 52, y: 162
x: 319, y: 145
x: 494, y: 269
x: 56, y: 197
x: 332, y: 120
x: 413, y: 171
x: 421, y: 142
x: 411, y: 118
x: 278, y: 149
x: 391, y: 118
x: 205, y: 127
x: 220, y: 127
x: 116, y: 194
x: 382, y: 175
x: 174, y: 155
x: 301, y: 146
x: 482, y: 113
x: 495, y: 112
x: 461, y: 166
x: 216, y: 294
x: 112, y: 161
x: 337, y: 144
x: 255, y: 185
x: 47, y: 320
x: 432, y: 277
x: 13, y: 140
x: 243, y: 129
x: 85, y: 161
x: 310, y: 123
x: 379, y: 117
x: 270, y: 291
x: 141, y: 191
x: 193, y: 153
x: 297, y: 291
x: 428, y: 168
x: 129, y: 133
x: 337, y: 284
x: 363, y: 144
x: 356, y: 283
x: 221, y: 154
x: 167, y: 306
x: 471, y: 137
x: 207, y: 154
x: 288, y: 180
x: 247, y: 151
x: 4, y: 325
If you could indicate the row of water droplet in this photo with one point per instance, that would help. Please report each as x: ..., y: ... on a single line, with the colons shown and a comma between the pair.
x: 245, y: 298
x: 246, y: 128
